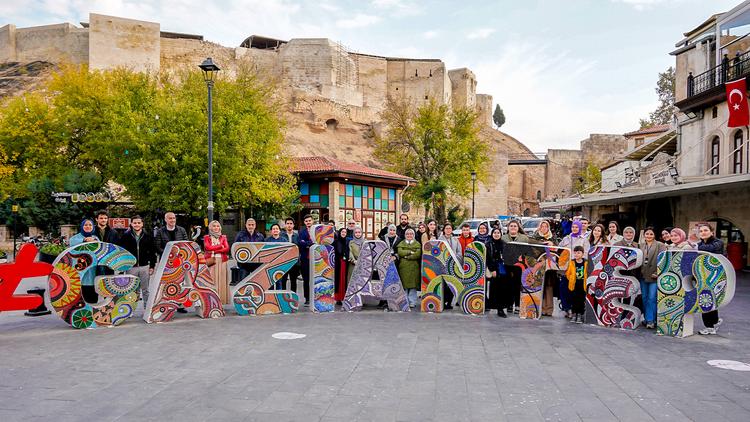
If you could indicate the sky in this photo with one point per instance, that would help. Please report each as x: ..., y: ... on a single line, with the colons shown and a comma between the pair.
x: 560, y: 69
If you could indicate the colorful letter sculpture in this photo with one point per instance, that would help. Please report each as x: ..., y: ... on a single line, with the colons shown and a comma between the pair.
x: 322, y: 267
x: 689, y: 283
x: 466, y: 281
x: 254, y: 295
x: 78, y: 263
x: 606, y: 287
x: 182, y: 279
x: 375, y: 258
x: 11, y: 275
x: 534, y: 260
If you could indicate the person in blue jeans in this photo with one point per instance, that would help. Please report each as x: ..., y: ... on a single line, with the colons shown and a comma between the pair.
x: 651, y: 248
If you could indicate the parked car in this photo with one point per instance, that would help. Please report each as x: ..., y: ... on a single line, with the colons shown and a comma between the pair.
x: 474, y: 224
x: 531, y: 225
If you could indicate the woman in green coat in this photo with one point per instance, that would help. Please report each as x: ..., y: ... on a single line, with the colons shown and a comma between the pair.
x: 355, y: 247
x: 410, y: 257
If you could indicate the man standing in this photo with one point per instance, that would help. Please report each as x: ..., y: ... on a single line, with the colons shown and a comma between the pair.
x: 290, y: 235
x: 304, y: 242
x: 248, y: 235
x: 350, y: 226
x: 141, y: 244
x: 403, y: 226
x: 171, y: 232
x: 103, y: 231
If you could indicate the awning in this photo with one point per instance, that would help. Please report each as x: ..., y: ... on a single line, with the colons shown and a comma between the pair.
x: 667, y: 143
x: 710, y: 184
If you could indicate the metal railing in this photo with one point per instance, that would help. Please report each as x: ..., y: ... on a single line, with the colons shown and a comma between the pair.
x: 727, y: 70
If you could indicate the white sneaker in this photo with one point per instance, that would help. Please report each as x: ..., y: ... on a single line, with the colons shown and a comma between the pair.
x: 707, y: 331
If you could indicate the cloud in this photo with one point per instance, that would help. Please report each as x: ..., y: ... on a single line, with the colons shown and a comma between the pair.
x: 480, y: 33
x: 398, y: 8
x: 428, y: 35
x: 642, y: 4
x: 360, y: 20
x: 549, y: 99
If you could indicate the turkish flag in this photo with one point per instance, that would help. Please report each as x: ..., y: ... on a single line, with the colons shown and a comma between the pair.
x: 737, y: 103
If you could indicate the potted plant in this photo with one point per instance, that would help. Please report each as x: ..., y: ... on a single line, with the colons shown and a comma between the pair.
x: 49, y: 252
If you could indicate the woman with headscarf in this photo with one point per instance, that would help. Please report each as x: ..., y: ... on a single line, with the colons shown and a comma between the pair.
x: 410, y: 257
x: 87, y: 233
x: 680, y: 241
x: 391, y: 239
x: 217, y: 250
x: 575, y: 238
x: 544, y: 236
x: 341, y: 249
x: 483, y: 234
x: 355, y: 247
x: 515, y: 234
x: 628, y: 238
x: 500, y: 292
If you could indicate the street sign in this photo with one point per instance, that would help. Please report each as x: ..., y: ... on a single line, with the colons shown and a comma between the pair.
x: 119, y: 223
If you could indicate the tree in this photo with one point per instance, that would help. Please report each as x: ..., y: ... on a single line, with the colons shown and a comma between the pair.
x: 589, y: 179
x: 665, y: 110
x: 436, y: 146
x: 498, y: 116
x: 148, y: 133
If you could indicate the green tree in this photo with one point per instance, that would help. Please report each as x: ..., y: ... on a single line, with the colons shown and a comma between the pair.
x: 498, y: 116
x: 665, y: 91
x: 436, y: 146
x: 589, y: 179
x: 148, y: 133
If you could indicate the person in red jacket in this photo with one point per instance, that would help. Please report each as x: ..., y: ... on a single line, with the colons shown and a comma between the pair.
x: 216, y: 250
x: 466, y: 238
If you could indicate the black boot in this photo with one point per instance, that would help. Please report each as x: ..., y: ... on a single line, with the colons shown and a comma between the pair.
x: 501, y: 313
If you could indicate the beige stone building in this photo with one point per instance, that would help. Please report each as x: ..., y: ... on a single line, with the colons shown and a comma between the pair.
x: 333, y: 96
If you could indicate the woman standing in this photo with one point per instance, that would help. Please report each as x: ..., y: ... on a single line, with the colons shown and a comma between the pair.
x: 597, y: 238
x: 454, y: 245
x: 628, y: 238
x: 421, y: 231
x: 514, y: 272
x: 87, y: 233
x: 355, y: 247
x: 544, y: 236
x: 500, y: 294
x: 710, y: 243
x: 432, y: 232
x: 483, y: 234
x: 576, y: 238
x: 613, y: 235
x: 216, y: 246
x: 410, y: 257
x: 666, y: 236
x: 341, y: 249
x: 679, y: 240
x: 651, y: 248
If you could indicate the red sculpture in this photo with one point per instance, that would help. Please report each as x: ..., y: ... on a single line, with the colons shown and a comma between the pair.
x: 11, y: 275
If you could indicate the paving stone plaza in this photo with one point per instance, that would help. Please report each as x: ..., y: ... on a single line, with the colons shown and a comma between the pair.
x: 370, y: 366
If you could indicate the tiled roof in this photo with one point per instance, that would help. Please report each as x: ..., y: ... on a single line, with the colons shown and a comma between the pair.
x: 324, y: 165
x: 649, y: 130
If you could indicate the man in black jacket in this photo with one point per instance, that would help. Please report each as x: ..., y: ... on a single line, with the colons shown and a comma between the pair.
x: 171, y: 232
x: 141, y: 244
x: 102, y: 230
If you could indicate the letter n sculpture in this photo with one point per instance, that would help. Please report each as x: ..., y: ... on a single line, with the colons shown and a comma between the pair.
x: 606, y: 286
x: 322, y: 267
x: 689, y: 283
x: 375, y: 260
x: 465, y: 279
x: 182, y: 280
x: 254, y: 294
x: 534, y: 260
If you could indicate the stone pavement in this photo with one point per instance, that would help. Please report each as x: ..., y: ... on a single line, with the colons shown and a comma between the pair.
x: 370, y: 366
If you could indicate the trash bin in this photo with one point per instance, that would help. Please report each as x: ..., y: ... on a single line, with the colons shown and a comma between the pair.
x: 737, y: 254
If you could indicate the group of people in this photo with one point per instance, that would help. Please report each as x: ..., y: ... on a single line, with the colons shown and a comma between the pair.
x: 404, y: 244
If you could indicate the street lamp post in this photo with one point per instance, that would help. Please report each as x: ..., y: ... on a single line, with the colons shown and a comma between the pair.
x: 210, y: 69
x: 14, y: 209
x: 473, y: 191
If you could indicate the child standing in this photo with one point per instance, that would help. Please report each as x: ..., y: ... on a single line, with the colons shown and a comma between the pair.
x: 576, y: 274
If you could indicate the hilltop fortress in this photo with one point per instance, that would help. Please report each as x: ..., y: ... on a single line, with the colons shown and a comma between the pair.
x: 332, y: 96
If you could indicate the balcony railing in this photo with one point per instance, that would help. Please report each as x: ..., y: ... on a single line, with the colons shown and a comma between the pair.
x: 727, y: 70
